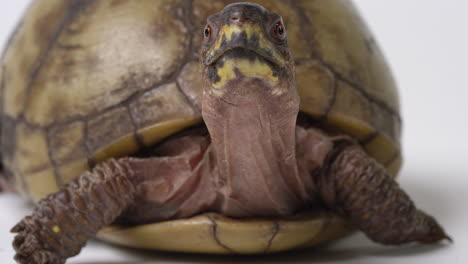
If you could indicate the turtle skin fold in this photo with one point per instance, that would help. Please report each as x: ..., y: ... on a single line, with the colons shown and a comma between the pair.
x: 63, y: 222
x: 351, y: 183
x: 361, y: 190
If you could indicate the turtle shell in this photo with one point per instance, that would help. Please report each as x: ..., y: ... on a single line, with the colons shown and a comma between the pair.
x: 85, y: 80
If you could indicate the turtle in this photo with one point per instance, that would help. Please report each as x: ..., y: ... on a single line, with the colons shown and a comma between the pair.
x: 275, y: 134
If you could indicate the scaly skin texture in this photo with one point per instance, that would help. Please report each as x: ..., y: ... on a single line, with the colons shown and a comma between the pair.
x: 363, y: 192
x: 351, y: 183
x: 64, y: 221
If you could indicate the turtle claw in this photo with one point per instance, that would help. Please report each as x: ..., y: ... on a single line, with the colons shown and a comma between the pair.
x: 27, y: 252
x: 435, y: 237
x: 40, y: 257
x: 18, y: 227
x: 436, y: 233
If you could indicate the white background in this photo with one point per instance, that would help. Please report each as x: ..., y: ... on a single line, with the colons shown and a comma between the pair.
x: 426, y: 43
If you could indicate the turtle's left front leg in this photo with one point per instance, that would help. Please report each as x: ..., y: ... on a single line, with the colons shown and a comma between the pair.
x: 361, y: 190
x: 64, y: 221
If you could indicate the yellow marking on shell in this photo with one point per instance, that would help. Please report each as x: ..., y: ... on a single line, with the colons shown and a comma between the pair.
x: 227, y: 31
x: 56, y: 229
x: 248, y: 68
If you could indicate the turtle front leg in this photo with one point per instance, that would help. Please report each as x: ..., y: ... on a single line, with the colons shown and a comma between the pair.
x: 360, y: 189
x: 64, y: 221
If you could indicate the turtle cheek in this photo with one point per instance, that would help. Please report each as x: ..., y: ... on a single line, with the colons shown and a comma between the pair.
x: 213, y: 74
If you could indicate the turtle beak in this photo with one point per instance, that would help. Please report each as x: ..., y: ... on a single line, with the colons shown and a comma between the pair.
x: 248, y: 36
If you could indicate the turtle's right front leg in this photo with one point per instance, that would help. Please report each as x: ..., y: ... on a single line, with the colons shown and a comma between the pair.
x: 360, y: 189
x: 64, y: 221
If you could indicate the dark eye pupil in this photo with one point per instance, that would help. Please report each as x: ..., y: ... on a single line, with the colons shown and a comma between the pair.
x: 207, y: 32
x: 280, y: 30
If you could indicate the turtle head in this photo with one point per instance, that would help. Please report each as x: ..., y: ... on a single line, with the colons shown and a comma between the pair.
x: 245, y: 53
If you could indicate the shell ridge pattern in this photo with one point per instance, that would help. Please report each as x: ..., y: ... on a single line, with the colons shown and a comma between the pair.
x: 316, y: 56
x: 332, y: 100
x: 382, y: 105
x: 214, y: 230
x: 181, y: 13
x: 275, y: 230
x: 187, y: 18
x: 74, y: 8
x: 138, y: 138
x: 172, y: 77
x: 53, y: 161
x: 392, y: 158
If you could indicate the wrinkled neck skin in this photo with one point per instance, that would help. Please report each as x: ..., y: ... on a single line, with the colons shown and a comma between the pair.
x: 252, y: 130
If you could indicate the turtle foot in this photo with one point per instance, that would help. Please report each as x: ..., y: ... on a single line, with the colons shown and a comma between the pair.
x: 29, y: 249
x: 436, y: 233
x: 371, y: 199
x: 39, y: 257
x: 63, y: 221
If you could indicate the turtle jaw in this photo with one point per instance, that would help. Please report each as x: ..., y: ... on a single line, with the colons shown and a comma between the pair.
x: 248, y: 36
x: 240, y: 51
x: 241, y: 58
x: 241, y: 72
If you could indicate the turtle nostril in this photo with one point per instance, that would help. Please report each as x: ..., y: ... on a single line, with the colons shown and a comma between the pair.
x: 235, y: 16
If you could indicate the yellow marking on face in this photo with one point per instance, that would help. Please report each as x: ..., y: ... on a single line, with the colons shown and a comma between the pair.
x: 256, y: 68
x: 225, y: 73
x: 56, y: 229
x: 227, y: 31
x: 248, y: 68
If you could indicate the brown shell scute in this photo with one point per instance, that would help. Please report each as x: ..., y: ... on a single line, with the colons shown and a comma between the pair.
x: 85, y: 81
x: 31, y: 41
x: 369, y: 104
x: 101, y: 70
x: 190, y: 83
x: 159, y: 105
x: 67, y: 142
x: 319, y: 100
x: 344, y: 47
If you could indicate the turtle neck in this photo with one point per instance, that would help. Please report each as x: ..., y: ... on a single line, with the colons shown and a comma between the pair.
x: 254, y: 149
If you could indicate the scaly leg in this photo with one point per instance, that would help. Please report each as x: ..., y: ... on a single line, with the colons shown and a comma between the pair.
x: 361, y: 190
x: 63, y: 222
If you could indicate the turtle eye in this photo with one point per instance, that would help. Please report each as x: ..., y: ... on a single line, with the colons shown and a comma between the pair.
x: 279, y: 32
x: 207, y: 32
